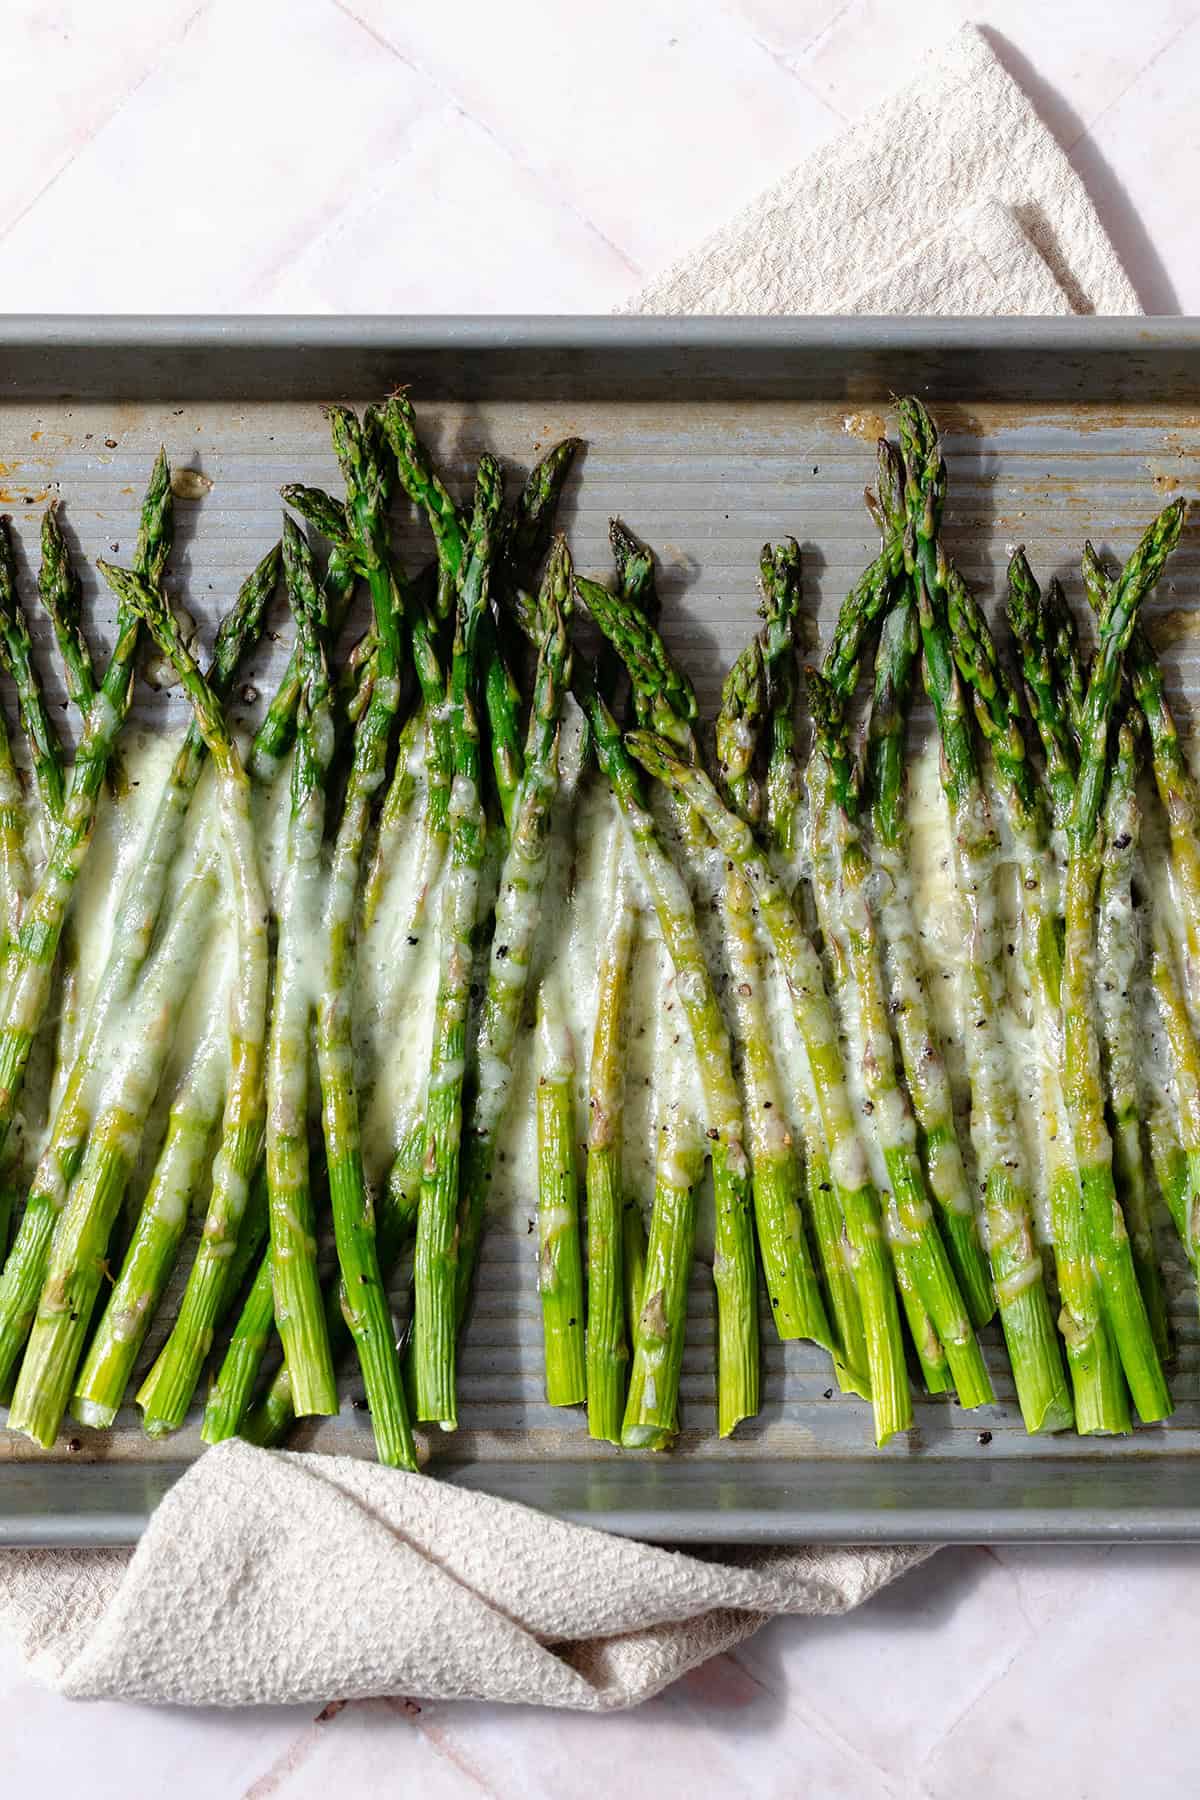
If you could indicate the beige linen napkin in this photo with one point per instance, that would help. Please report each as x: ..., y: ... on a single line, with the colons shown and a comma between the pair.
x: 268, y: 1577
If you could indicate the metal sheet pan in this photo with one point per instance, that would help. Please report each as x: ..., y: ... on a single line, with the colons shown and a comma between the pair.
x: 709, y: 436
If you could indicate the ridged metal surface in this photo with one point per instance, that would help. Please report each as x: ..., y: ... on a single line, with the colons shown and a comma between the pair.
x: 706, y: 480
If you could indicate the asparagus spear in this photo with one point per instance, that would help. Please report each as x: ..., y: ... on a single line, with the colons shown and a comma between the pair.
x: 77, y: 1260
x: 367, y: 1309
x: 185, y: 1153
x: 231, y: 1393
x: 525, y: 539
x: 1048, y: 654
x: 560, y: 1261
x: 841, y: 876
x: 660, y: 689
x: 33, y: 950
x: 779, y: 571
x: 666, y: 701
x: 834, y: 785
x: 1172, y: 775
x: 531, y: 525
x: 358, y: 530
x: 297, y: 1294
x: 59, y: 590
x: 1034, y: 622
x: 14, y: 864
x: 269, y: 1421
x: 779, y: 567
x: 232, y: 1388
x: 652, y: 1407
x: 518, y: 904
x: 796, y: 1303
x: 806, y: 989
x: 16, y: 656
x: 273, y: 739
x: 29, y: 984
x: 1177, y: 791
x: 1084, y: 1091
x: 738, y: 1351
x: 133, y: 931
x: 435, y: 1316
x: 520, y: 543
x: 633, y: 1259
x: 1177, y: 1168
x: 921, y: 1052
x: 609, y: 1320
x: 1117, y: 961
x: 1016, y: 1262
x: 167, y: 1390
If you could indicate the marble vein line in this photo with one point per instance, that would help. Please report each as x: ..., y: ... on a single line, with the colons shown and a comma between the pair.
x: 531, y: 169
x: 792, y: 61
x: 1138, y: 75
x: 168, y: 48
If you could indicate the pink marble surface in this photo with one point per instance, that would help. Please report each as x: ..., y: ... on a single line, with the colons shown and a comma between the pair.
x: 320, y: 155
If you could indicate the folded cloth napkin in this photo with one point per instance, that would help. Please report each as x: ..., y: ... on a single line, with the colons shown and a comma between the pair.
x: 952, y: 198
x: 268, y: 1577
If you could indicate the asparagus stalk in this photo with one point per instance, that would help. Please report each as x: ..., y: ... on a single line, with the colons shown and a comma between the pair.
x: 833, y: 783
x: 1034, y: 619
x: 518, y: 907
x: 521, y: 541
x: 920, y: 1049
x: 525, y: 539
x: 733, y: 1273
x: 185, y: 1153
x: 661, y: 691
x: 633, y: 1261
x: 435, y: 1316
x: 738, y: 1370
x: 14, y: 864
x: 392, y: 826
x: 1048, y: 661
x: 358, y: 530
x: 560, y: 1261
x: 1170, y: 1163
x: 1117, y: 947
x: 609, y: 1319
x: 796, y: 1303
x: 77, y: 1261
x: 60, y: 593
x: 167, y: 1390
x: 32, y: 951
x: 368, y: 1313
x: 779, y: 571
x: 299, y: 1313
x: 1107, y: 1233
x: 59, y: 587
x: 1177, y: 1171
x: 269, y: 1421
x: 31, y: 967
x: 233, y: 1387
x: 841, y: 876
x: 16, y: 657
x: 1173, y: 778
x: 132, y: 934
x: 274, y: 736
x: 908, y: 1000
x: 652, y: 1408
x: 780, y: 580
x: 1178, y: 793
x: 802, y: 973
x: 1016, y: 1262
